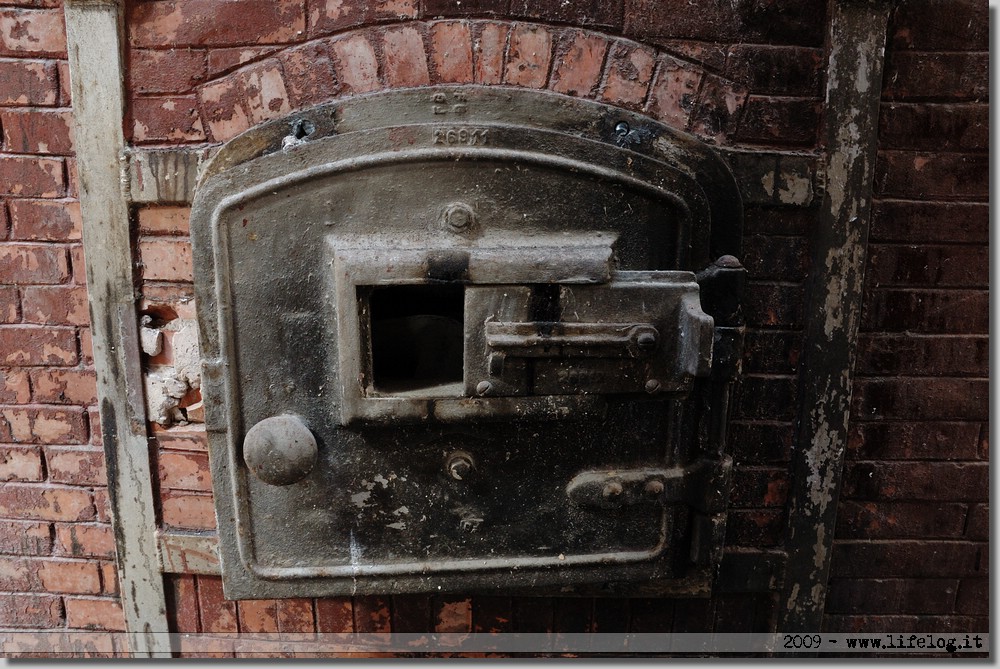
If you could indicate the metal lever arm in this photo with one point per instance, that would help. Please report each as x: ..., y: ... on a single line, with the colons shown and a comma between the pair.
x: 572, y: 340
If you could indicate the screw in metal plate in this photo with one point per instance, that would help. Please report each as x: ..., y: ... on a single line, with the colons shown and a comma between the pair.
x: 484, y: 388
x: 459, y: 465
x: 654, y: 488
x: 652, y: 386
x: 612, y: 489
x: 458, y: 217
x: 622, y: 129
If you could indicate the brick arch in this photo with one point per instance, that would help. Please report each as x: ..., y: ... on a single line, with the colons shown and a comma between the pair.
x: 567, y: 60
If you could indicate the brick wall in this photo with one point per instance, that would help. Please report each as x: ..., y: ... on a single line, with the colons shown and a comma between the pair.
x: 56, y: 547
x: 911, y: 550
x: 911, y: 537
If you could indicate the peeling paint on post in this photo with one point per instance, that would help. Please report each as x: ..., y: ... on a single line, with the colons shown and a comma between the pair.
x: 856, y: 46
x: 94, y: 37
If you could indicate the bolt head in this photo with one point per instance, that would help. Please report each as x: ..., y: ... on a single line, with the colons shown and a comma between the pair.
x: 622, y: 129
x: 652, y: 386
x: 484, y: 388
x: 654, y: 488
x: 612, y: 489
x: 459, y: 465
x: 458, y: 217
x: 646, y: 341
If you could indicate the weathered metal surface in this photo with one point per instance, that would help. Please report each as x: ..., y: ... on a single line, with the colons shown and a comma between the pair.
x: 95, y: 65
x: 165, y: 175
x: 839, y: 245
x: 280, y: 450
x: 187, y: 553
x: 343, y: 256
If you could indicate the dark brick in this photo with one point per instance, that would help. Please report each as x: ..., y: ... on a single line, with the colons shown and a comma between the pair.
x: 532, y: 614
x: 758, y: 487
x: 900, y: 623
x: 934, y: 127
x: 736, y: 614
x: 603, y: 13
x: 948, y: 77
x: 719, y: 108
x: 759, y: 528
x: 573, y: 615
x: 431, y: 8
x: 891, y: 596
x: 946, y: 311
x: 771, y: 352
x: 797, y: 22
x: 767, y: 397
x: 651, y: 615
x: 491, y: 614
x: 694, y: 615
x: 932, y: 176
x: 974, y: 597
x: 909, y: 559
x: 921, y: 399
x: 776, y: 70
x: 931, y: 481
x: 907, y: 221
x: 775, y: 305
x: 778, y: 258
x: 787, y: 221
x: 928, y: 355
x: 977, y: 526
x: 372, y: 614
x: 899, y: 520
x: 780, y: 121
x: 763, y: 443
x: 919, y: 440
x: 611, y: 615
x: 335, y: 615
x: 950, y: 266
x: 957, y: 25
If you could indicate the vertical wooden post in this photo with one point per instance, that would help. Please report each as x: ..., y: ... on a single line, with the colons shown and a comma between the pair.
x: 94, y: 43
x: 856, y: 50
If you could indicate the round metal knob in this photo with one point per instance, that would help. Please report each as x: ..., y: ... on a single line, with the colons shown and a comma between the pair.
x: 280, y: 450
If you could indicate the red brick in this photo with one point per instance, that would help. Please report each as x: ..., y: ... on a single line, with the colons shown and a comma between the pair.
x: 188, y: 510
x: 974, y: 597
x: 45, y: 131
x: 758, y: 487
x: 877, y: 596
x: 918, y: 440
x: 930, y: 481
x: 39, y: 32
x: 327, y: 16
x: 72, y: 179
x: 718, y: 109
x: 94, y: 419
x: 296, y: 616
x: 42, y: 424
x: 103, y: 505
x: 928, y: 355
x: 672, y: 97
x: 185, y: 471
x: 923, y: 176
x: 170, y: 71
x: 780, y: 121
x: 109, y: 578
x: 357, y: 65
x: 86, y: 347
x: 630, y: 69
x: 937, y: 76
x: 453, y: 615
x: 957, y: 25
x: 76, y: 577
x: 34, y: 345
x: 451, y: 52
x: 907, y: 221
x: 926, y: 265
x: 465, y: 7
x: 934, y: 127
x: 949, y: 311
x: 14, y: 386
x: 64, y: 386
x: 78, y: 264
x: 223, y: 107
x: 488, y: 47
x: 24, y: 538
x: 37, y: 502
x: 28, y: 82
x: 218, y: 615
x: 55, y: 305
x: 84, y: 540
x: 93, y: 613
x: 767, y: 397
x: 900, y: 520
x: 909, y: 559
x: 164, y: 220
x: 45, y: 220
x: 201, y: 23
x: 405, y: 58
x: 977, y: 527
x: 76, y: 466
x: 9, y: 305
x: 372, y: 614
x: 335, y: 615
x: 309, y: 75
x: 528, y: 56
x: 578, y: 64
x: 167, y: 119
x: 33, y: 263
x: 65, y: 94
x: 604, y: 13
x: 923, y: 399
x: 20, y: 463
x: 24, y: 176
x: 30, y: 611
x: 258, y: 615
x: 166, y: 260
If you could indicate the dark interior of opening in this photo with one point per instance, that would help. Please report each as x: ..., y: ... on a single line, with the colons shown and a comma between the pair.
x: 417, y: 336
